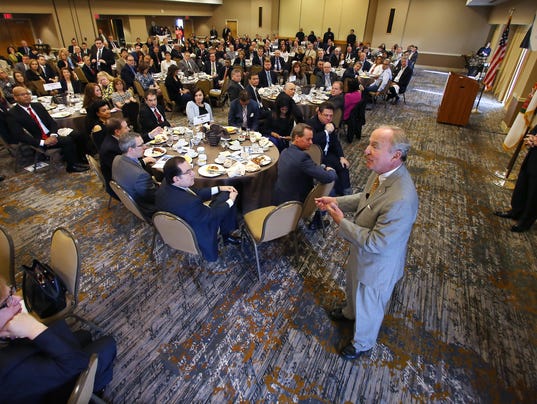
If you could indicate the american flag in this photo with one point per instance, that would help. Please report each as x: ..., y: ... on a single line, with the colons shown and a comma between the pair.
x: 497, y: 57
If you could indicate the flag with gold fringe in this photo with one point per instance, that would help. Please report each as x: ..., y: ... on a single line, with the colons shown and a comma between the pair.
x: 497, y: 57
x: 522, y: 121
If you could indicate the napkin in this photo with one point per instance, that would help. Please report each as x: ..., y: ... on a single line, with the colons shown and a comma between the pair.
x: 236, y: 170
x: 64, y: 131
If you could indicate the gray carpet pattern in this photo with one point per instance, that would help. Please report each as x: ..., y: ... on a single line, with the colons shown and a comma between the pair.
x: 460, y: 328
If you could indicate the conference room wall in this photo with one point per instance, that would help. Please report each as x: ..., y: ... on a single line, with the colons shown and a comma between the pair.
x: 318, y: 15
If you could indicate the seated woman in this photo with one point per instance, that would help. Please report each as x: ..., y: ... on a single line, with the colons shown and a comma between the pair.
x: 105, y: 80
x: 69, y: 84
x: 145, y: 78
x: 92, y: 93
x: 297, y: 75
x: 13, y: 57
x: 376, y: 68
x: 96, y: 120
x: 198, y: 107
x: 64, y: 60
x: 42, y: 364
x: 308, y: 65
x: 352, y: 97
x: 278, y: 128
x: 19, y: 79
x: 173, y: 84
x: 124, y: 100
x: 34, y: 73
x: 354, y: 111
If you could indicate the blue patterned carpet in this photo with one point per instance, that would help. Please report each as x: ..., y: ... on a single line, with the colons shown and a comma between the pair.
x: 460, y: 328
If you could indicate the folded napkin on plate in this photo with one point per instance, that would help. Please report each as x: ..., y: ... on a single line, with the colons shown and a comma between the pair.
x: 236, y: 170
x: 160, y: 162
x: 64, y: 131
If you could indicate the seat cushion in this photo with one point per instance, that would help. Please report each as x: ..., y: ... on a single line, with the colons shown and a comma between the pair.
x: 254, y: 221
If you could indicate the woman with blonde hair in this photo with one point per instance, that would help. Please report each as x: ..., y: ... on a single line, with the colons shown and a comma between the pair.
x: 105, y: 81
x: 64, y: 60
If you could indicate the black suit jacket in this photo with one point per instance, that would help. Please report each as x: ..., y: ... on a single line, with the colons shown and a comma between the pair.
x: 320, y: 79
x: 204, y: 220
x: 405, y: 78
x: 319, y: 138
x: 234, y: 117
x: 296, y: 172
x: 233, y: 90
x: 25, y: 121
x: 108, y: 56
x: 148, y: 120
x: 77, y: 86
x: 90, y: 73
x: 263, y: 81
x: 127, y: 75
x: 283, y: 65
x: 219, y: 69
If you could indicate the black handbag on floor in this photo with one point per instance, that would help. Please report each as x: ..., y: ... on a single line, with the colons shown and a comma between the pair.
x: 42, y: 289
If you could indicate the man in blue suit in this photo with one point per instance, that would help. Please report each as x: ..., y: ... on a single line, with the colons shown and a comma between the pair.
x: 243, y: 113
x: 176, y: 196
x: 378, y: 231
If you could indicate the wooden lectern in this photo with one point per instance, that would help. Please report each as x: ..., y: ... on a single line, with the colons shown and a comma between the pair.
x: 458, y: 101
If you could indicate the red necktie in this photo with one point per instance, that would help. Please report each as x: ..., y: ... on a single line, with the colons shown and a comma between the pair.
x: 159, y: 117
x: 34, y: 117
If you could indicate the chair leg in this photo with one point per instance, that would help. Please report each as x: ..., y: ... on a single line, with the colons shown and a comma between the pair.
x: 295, y: 242
x: 257, y: 260
x: 109, y: 202
x: 404, y: 98
x: 323, y: 227
x: 153, y: 241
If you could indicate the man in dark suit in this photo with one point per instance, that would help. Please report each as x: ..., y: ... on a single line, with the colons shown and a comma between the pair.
x: 328, y: 35
x: 214, y: 69
x: 110, y: 149
x: 253, y: 83
x: 71, y: 48
x: 351, y: 38
x: 89, y: 70
x: 366, y: 64
x: 413, y: 56
x: 152, y: 117
x: 129, y: 71
x: 325, y: 136
x: 226, y: 32
x: 353, y: 72
x: 402, y: 75
x: 267, y: 76
x: 37, y: 128
x: 243, y: 112
x: 377, y: 229
x: 524, y: 198
x: 235, y: 86
x: 280, y: 67
x: 176, y: 196
x: 53, y: 352
x: 25, y: 49
x: 48, y: 74
x: 337, y: 98
x: 327, y: 77
x: 84, y: 50
x: 103, y: 58
x: 23, y: 65
x: 128, y: 172
x: 296, y: 169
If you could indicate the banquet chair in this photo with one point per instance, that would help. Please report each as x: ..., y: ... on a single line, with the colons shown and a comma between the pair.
x: 65, y: 261
x: 315, y: 153
x: 313, y: 79
x: 168, y: 101
x: 37, y: 86
x: 7, y: 257
x: 338, y: 115
x: 176, y: 233
x: 81, y: 75
x: 96, y: 167
x: 220, y: 94
x: 205, y: 86
x: 380, y: 96
x: 132, y: 206
x: 309, y: 206
x: 139, y: 90
x: 272, y: 222
x: 83, y: 391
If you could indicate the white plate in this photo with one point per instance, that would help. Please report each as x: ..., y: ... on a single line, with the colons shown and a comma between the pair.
x: 63, y: 114
x: 206, y: 171
x: 155, y: 152
x: 262, y: 160
x: 235, y: 147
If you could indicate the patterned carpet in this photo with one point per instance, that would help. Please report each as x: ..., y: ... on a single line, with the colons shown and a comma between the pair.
x: 460, y: 328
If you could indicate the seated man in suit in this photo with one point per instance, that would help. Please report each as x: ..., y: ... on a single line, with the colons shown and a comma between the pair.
x: 235, y: 86
x: 128, y: 172
x: 48, y: 74
x: 243, y: 112
x: 278, y: 62
x: 89, y: 70
x: 267, y: 76
x: 152, y: 117
x: 402, y: 75
x: 36, y: 127
x: 327, y: 77
x: 176, y: 196
x: 213, y: 69
x: 110, y: 149
x: 23, y: 65
x: 337, y: 98
x: 188, y: 65
x: 353, y: 72
x: 296, y: 169
x: 53, y: 352
x: 258, y: 56
x: 325, y: 136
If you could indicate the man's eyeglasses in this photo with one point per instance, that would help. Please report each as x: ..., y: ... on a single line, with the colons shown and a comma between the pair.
x: 139, y: 145
x: 9, y: 300
x: 188, y: 172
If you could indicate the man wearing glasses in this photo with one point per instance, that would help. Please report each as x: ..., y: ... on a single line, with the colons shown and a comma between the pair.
x: 127, y: 171
x: 176, y: 196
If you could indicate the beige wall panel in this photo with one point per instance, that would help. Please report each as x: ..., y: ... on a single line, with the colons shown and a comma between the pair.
x: 150, y: 8
x: 138, y: 28
x: 447, y: 27
x: 381, y: 22
x: 522, y: 15
x: 332, y: 18
x: 28, y: 6
x: 312, y: 17
x: 353, y: 16
x: 239, y: 10
x: 290, y: 20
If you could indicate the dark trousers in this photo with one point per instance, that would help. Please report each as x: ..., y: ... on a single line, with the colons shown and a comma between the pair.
x: 524, y: 198
x: 343, y: 179
x: 229, y: 222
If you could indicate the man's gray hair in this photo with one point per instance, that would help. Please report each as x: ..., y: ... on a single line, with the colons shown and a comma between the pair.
x: 399, y: 140
x: 127, y: 141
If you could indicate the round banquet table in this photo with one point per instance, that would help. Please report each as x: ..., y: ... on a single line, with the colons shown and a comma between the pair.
x: 77, y: 121
x: 255, y: 189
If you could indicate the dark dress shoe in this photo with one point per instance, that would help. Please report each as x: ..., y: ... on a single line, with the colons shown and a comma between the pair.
x: 231, y: 239
x: 350, y: 352
x: 337, y: 315
x: 76, y: 169
x: 507, y: 214
x: 520, y: 228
